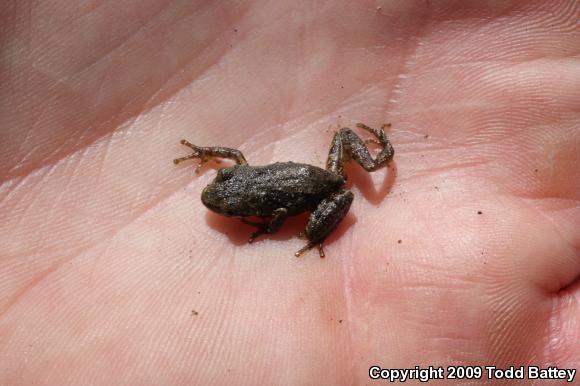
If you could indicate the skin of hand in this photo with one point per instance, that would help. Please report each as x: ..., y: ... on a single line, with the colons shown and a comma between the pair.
x: 466, y: 251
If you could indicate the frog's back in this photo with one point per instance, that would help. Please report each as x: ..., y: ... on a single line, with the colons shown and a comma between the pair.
x: 259, y: 190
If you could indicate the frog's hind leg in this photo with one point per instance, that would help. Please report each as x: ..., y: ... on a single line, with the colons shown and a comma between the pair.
x: 325, y: 218
x: 271, y: 226
x: 204, y: 154
x: 347, y: 144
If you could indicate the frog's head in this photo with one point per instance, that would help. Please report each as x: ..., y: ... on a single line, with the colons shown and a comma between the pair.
x: 219, y: 196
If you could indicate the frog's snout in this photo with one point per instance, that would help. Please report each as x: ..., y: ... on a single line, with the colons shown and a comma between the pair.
x: 208, y: 198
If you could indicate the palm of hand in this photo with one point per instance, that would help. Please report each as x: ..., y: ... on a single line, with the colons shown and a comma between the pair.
x: 112, y: 270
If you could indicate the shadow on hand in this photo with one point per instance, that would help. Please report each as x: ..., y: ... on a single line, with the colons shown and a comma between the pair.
x: 364, y: 181
x: 238, y: 232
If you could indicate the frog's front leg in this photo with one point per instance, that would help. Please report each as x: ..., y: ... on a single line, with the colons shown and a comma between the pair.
x: 278, y: 218
x: 204, y: 154
x: 346, y: 144
x: 325, y: 218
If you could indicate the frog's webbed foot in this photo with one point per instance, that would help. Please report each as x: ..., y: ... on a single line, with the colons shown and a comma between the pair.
x: 308, y: 247
x: 272, y: 226
x: 204, y: 154
x: 346, y: 145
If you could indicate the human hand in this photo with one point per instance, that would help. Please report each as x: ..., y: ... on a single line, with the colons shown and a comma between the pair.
x: 466, y: 252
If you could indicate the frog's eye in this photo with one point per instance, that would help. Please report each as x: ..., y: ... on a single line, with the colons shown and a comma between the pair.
x: 224, y: 175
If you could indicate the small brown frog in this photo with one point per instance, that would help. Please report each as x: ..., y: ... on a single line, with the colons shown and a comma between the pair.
x: 282, y: 189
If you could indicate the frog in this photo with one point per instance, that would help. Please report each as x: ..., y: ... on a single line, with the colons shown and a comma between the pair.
x: 276, y: 191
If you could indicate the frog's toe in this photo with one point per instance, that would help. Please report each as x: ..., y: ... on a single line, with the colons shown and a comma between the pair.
x: 202, y: 161
x: 179, y: 160
x: 253, y: 236
x: 304, y: 249
x: 321, y: 250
